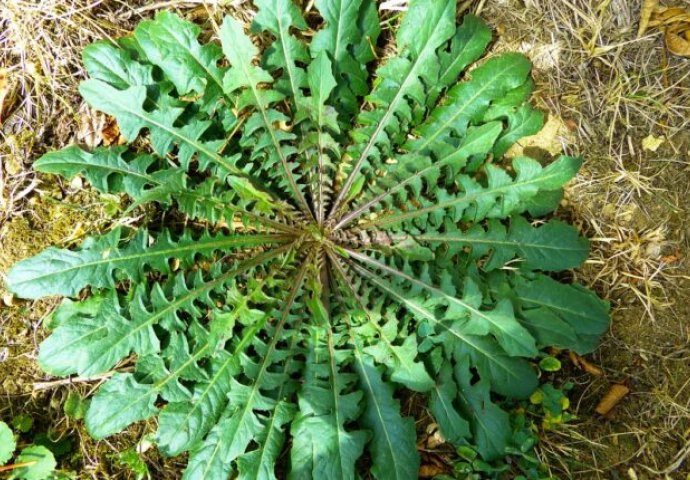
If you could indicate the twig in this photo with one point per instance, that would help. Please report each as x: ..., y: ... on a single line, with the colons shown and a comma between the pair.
x: 71, y: 380
x: 7, y: 468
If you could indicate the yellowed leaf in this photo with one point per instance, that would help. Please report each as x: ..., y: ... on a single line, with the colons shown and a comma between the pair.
x: 645, y: 15
x: 670, y: 15
x: 652, y: 143
x: 612, y: 398
x: 430, y: 471
x: 550, y: 138
x: 677, y: 44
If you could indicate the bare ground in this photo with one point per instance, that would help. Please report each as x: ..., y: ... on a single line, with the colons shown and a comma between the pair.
x: 605, y: 89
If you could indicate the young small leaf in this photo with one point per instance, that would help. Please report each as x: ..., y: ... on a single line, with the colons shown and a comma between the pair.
x: 38, y: 464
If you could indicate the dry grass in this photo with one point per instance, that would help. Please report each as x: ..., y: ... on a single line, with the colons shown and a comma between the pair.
x: 608, y: 87
x: 613, y: 90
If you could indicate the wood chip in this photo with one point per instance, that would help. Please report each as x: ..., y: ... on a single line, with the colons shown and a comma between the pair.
x: 612, y: 398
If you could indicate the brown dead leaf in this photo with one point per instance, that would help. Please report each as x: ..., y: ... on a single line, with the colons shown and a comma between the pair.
x: 648, y: 8
x: 111, y: 133
x: 612, y: 398
x: 430, y: 471
x: 675, y: 23
x: 677, y: 44
x: 668, y: 16
x: 585, y: 365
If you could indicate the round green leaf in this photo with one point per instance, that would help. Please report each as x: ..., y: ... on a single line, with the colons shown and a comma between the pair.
x: 7, y: 443
x: 550, y: 364
x: 22, y: 423
x: 39, y: 461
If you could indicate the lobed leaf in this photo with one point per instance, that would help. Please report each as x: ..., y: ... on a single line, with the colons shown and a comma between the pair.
x: 319, y: 240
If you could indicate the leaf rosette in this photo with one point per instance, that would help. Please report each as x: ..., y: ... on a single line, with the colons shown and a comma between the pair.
x: 351, y: 235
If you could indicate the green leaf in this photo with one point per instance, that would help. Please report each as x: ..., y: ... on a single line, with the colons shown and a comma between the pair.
x: 402, y: 364
x: 468, y: 100
x: 241, y: 423
x: 134, y: 463
x: 454, y: 428
x: 40, y: 464
x: 502, y: 196
x: 90, y: 337
x: 510, y: 376
x: 260, y: 464
x: 351, y: 31
x: 22, y: 423
x: 500, y: 321
x: 115, y: 66
x: 105, y: 168
x: 322, y: 446
x: 277, y: 17
x: 7, y: 443
x: 553, y: 246
x: 393, y: 442
x: 468, y: 44
x: 581, y: 309
x: 412, y: 169
x: 75, y: 406
x: 524, y: 122
x: 119, y: 402
x: 321, y: 84
x: 66, y: 272
x: 243, y: 75
x: 183, y: 424
x: 111, y: 170
x: 490, y: 424
x: 424, y: 28
x: 549, y: 364
x: 170, y: 43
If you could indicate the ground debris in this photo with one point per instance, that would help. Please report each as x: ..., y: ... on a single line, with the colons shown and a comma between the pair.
x: 673, y: 21
x: 612, y: 398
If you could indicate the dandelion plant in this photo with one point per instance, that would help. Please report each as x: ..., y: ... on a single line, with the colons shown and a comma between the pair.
x: 339, y: 228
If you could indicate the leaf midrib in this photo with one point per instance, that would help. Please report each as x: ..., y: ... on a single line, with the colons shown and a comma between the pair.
x: 465, y: 104
x: 158, y: 253
x: 411, y: 306
x: 401, y: 217
x: 399, y: 95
